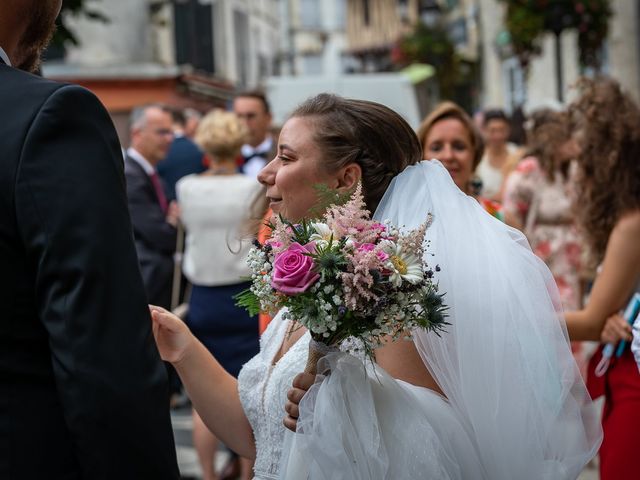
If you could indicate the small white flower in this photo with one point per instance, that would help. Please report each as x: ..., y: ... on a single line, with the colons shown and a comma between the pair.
x: 323, y: 234
x: 349, y: 243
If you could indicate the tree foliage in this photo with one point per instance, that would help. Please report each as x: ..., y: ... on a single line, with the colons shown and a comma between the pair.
x: 432, y: 45
x: 527, y: 21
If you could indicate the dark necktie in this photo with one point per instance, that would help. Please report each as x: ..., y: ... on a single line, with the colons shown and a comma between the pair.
x: 157, y: 185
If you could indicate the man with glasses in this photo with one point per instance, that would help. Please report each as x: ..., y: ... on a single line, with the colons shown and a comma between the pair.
x: 154, y: 218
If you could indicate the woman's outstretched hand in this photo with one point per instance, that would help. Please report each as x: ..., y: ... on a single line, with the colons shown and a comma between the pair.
x: 616, y: 329
x: 301, y: 383
x: 173, y: 337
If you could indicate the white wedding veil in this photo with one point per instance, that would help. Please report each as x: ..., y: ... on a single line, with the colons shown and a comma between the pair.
x: 504, y: 362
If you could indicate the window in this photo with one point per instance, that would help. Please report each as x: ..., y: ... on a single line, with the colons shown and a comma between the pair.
x: 366, y: 12
x: 458, y: 32
x: 241, y: 40
x: 312, y: 64
x: 341, y: 14
x: 310, y: 14
x: 515, y: 81
x: 194, y: 35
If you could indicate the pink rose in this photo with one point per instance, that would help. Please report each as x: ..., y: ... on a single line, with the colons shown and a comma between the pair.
x: 293, y: 269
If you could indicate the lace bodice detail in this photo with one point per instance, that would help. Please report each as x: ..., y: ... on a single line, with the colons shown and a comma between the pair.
x: 263, y: 390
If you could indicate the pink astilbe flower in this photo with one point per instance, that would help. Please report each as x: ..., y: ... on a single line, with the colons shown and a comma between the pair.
x: 358, y: 280
x: 352, y: 219
x: 280, y: 239
x: 370, y: 247
x: 413, y: 241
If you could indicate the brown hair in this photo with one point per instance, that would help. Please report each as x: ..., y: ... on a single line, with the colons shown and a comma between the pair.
x: 367, y: 133
x: 447, y: 110
x: 256, y: 95
x: 609, y: 174
x: 547, y: 131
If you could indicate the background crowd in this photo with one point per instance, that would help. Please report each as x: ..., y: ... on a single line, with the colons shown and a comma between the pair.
x: 569, y: 184
x: 77, y: 346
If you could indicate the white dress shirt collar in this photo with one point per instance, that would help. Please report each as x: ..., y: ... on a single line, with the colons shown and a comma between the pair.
x: 140, y: 160
x: 265, y: 146
x: 4, y: 56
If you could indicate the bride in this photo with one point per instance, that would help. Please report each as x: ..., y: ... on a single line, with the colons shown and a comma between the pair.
x: 497, y: 396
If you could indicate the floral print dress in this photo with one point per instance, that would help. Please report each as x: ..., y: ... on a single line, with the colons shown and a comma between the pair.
x: 543, y: 206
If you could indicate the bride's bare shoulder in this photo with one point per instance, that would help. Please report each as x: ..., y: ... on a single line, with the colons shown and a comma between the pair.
x: 402, y: 361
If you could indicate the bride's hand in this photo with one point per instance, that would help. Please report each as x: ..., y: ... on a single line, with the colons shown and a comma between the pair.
x: 301, y: 383
x: 172, y: 336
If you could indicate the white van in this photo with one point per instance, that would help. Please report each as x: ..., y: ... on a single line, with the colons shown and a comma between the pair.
x: 398, y: 91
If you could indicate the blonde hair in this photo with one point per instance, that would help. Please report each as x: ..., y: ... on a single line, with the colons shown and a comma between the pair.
x: 221, y: 134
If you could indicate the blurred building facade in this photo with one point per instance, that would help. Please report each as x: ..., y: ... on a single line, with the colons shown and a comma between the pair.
x: 194, y: 53
x: 375, y: 28
x: 505, y: 85
x: 200, y: 52
x: 312, y: 37
x: 246, y: 40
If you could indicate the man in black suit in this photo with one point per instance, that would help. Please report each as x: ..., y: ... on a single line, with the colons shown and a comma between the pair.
x: 253, y: 109
x: 184, y: 156
x: 154, y: 217
x: 83, y: 393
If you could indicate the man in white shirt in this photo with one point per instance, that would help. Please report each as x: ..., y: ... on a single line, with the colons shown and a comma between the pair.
x: 4, y: 57
x: 253, y: 109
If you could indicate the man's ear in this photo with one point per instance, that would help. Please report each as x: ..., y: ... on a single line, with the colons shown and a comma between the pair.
x: 349, y: 176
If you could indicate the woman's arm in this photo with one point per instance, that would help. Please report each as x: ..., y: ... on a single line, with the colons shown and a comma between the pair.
x: 517, y: 193
x: 212, y: 390
x: 614, y: 284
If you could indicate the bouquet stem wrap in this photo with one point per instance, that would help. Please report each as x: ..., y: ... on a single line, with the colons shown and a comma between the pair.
x: 317, y: 350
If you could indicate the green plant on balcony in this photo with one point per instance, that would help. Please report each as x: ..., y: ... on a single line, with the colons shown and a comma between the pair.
x: 528, y: 20
x: 432, y: 45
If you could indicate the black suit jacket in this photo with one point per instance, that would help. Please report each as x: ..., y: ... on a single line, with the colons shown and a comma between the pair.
x: 155, y: 238
x: 83, y: 392
x: 184, y: 158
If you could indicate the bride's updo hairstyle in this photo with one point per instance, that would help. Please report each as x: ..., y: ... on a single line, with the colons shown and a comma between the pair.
x: 367, y: 133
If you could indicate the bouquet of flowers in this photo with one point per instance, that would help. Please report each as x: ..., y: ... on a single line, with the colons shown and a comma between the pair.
x: 344, y: 276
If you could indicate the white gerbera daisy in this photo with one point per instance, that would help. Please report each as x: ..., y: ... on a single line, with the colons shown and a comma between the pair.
x: 404, y: 266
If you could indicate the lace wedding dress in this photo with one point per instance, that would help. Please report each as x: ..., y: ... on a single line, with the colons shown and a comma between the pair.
x: 421, y: 439
x: 515, y: 406
x: 263, y: 388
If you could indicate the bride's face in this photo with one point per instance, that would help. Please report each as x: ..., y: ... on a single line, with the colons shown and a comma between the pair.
x: 291, y: 176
